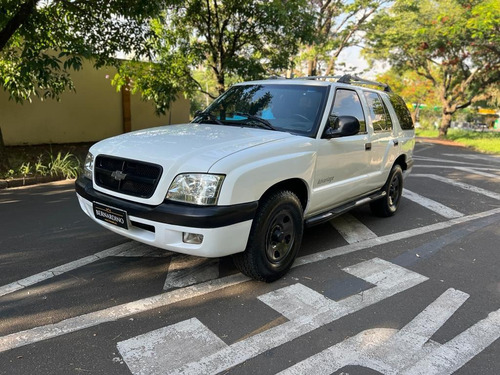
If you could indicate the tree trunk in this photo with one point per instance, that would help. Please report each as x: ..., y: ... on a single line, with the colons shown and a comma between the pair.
x: 22, y: 15
x: 312, y: 67
x: 445, y: 124
x: 4, y: 160
x: 221, y: 86
x: 415, y: 113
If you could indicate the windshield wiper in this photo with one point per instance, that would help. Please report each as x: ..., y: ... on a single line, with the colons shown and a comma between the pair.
x: 262, y: 122
x: 209, y: 116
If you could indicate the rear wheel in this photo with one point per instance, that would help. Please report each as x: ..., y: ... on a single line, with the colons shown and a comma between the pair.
x: 389, y: 204
x: 274, y: 239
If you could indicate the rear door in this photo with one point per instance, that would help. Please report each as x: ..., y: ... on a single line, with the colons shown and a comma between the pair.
x: 384, y: 145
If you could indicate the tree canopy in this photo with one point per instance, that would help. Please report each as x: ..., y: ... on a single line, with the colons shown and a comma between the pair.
x: 42, y: 41
x: 452, y: 43
x: 240, y: 39
x: 338, y: 24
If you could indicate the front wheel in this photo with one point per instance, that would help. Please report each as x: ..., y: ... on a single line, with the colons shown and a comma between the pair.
x: 388, y: 205
x: 274, y: 239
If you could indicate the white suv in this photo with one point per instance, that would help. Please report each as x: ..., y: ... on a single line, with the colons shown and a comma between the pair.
x: 247, y: 174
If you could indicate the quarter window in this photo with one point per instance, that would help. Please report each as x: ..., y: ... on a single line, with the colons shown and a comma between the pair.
x: 381, y: 120
x: 402, y: 112
x: 347, y: 103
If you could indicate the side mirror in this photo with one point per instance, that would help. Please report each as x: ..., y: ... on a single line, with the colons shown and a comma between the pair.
x: 342, y: 126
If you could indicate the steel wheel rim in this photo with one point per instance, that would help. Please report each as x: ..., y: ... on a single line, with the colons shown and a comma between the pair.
x: 280, y: 237
x: 394, y: 192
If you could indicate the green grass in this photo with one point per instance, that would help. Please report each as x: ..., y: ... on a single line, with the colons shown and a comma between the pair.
x: 487, y: 142
x: 426, y: 133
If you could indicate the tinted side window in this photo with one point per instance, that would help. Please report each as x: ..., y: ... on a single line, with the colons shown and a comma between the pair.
x: 347, y: 103
x: 381, y: 119
x: 402, y: 112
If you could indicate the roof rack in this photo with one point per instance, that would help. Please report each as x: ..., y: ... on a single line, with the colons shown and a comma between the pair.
x: 350, y: 79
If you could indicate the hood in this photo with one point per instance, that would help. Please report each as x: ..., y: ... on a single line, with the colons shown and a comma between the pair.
x: 190, y: 147
x: 183, y: 148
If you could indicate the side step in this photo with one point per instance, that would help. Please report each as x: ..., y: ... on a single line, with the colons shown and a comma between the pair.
x: 337, y: 211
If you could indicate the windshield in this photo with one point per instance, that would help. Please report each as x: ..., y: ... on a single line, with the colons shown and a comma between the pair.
x: 295, y: 109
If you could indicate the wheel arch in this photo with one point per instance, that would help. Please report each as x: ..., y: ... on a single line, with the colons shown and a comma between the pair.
x: 295, y: 185
x: 401, y: 161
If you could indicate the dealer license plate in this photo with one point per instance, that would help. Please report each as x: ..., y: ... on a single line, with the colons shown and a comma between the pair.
x: 110, y: 215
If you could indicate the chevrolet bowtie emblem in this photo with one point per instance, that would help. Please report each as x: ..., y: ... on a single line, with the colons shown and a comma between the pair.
x: 118, y: 175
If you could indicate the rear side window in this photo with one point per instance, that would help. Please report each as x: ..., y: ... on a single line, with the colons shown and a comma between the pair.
x: 402, y: 112
x: 347, y: 103
x: 381, y: 119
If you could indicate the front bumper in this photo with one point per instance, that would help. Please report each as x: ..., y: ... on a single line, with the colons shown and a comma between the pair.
x: 225, y: 229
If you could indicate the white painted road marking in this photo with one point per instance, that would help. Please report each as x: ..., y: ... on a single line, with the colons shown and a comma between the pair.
x: 476, y: 170
x: 306, y: 310
x: 494, y: 158
x: 185, y: 270
x: 409, y: 350
x: 432, y: 205
x: 137, y: 249
x: 146, y: 354
x: 128, y: 249
x: 77, y: 323
x: 447, y: 161
x: 351, y: 229
x: 462, y: 185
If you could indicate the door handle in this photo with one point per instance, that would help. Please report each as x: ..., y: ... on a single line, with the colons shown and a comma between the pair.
x: 368, y: 146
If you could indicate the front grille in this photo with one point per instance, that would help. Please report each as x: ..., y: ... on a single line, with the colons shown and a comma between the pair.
x: 125, y: 176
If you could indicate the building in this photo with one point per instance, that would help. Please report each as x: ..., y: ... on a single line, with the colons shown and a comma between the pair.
x: 94, y: 112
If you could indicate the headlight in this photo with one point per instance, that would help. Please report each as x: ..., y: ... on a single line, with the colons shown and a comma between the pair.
x: 88, y: 166
x: 202, y: 189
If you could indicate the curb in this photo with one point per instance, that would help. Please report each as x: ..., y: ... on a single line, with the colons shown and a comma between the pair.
x: 439, y: 141
x: 28, y: 181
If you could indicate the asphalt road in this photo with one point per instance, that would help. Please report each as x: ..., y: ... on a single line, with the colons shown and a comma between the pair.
x: 418, y: 293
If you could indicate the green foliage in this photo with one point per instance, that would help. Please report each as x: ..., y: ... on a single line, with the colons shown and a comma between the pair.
x: 242, y: 39
x: 442, y: 42
x: 42, y: 41
x: 25, y: 169
x: 338, y: 25
x: 67, y: 166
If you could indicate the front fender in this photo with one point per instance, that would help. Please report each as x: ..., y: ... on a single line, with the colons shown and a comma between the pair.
x: 249, y: 180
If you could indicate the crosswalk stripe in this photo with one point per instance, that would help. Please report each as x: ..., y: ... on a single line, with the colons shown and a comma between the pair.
x: 432, y: 205
x: 352, y: 229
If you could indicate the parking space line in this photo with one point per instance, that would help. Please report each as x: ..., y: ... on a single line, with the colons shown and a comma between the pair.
x: 461, y: 185
x: 185, y: 270
x: 473, y: 170
x: 430, y: 159
x: 56, y: 271
x: 432, y: 205
x: 114, y: 313
x: 478, y: 172
x: 307, y: 311
x: 351, y: 229
x: 409, y: 350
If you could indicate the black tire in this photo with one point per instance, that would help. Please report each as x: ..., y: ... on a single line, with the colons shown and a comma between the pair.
x: 274, y: 239
x: 389, y: 204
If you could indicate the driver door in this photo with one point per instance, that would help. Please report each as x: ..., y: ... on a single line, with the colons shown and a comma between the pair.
x: 342, y: 163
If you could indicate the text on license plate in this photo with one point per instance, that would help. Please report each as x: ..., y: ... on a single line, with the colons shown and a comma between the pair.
x: 110, y: 215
